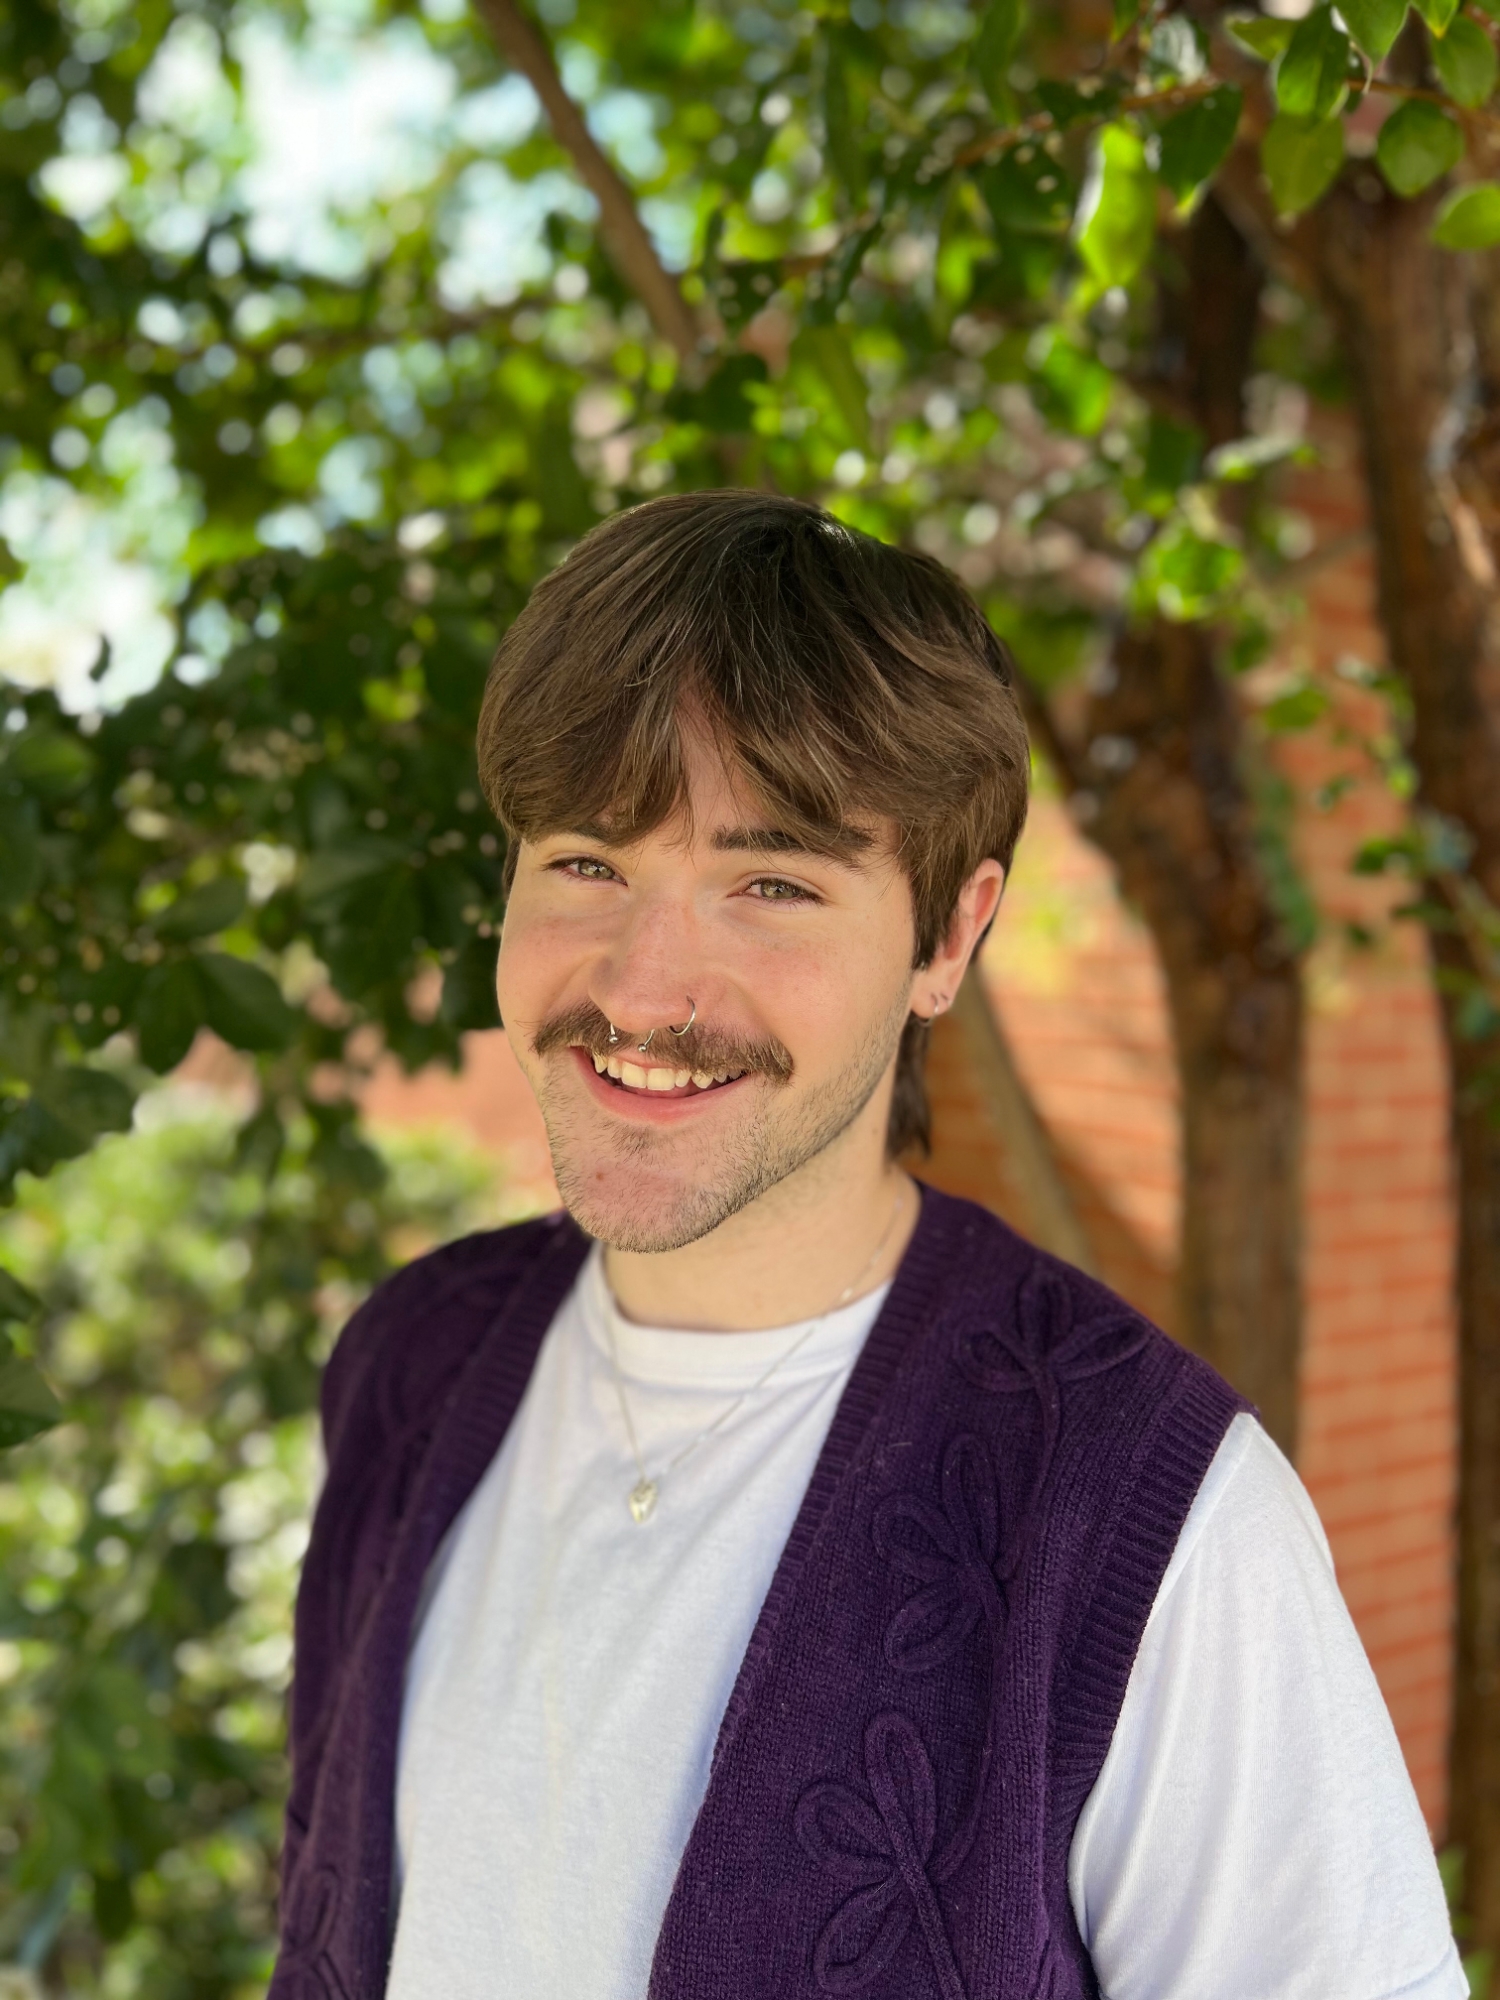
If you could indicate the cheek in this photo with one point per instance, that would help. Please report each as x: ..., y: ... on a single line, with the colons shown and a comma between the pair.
x: 534, y: 960
x: 823, y: 992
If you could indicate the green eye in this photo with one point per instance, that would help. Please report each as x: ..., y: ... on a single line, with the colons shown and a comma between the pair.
x: 777, y: 891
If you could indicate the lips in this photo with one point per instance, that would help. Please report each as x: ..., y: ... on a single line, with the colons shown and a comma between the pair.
x: 666, y: 1098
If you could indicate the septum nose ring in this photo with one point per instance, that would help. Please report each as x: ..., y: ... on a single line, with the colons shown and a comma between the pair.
x: 641, y: 1047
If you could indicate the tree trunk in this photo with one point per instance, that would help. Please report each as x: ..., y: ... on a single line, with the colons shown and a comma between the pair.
x: 1157, y: 778
x: 1418, y: 333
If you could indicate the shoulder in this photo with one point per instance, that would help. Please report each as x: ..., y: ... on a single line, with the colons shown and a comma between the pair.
x: 1014, y: 1314
x: 406, y: 1342
x: 1100, y: 1428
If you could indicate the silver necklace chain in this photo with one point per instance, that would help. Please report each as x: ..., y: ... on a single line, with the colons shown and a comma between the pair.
x: 646, y: 1491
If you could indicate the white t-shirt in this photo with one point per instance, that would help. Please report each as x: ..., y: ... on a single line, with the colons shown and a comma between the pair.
x: 1253, y: 1834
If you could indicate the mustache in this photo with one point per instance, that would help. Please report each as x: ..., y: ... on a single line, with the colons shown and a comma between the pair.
x: 702, y: 1048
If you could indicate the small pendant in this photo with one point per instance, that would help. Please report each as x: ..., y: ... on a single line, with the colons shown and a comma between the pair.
x: 643, y: 1499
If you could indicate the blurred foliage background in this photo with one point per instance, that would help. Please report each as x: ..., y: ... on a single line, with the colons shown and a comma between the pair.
x: 149, y: 1546
x: 326, y: 327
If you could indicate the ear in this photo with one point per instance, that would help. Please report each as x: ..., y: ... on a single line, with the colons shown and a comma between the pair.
x: 934, y: 986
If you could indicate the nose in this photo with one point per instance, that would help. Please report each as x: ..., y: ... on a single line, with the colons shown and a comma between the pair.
x: 647, y: 980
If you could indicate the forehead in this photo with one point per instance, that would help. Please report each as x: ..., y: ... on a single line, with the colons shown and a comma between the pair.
x: 721, y: 811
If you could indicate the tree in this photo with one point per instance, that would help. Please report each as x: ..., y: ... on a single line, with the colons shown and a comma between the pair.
x: 942, y: 269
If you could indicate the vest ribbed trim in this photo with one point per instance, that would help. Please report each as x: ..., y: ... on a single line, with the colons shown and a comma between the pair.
x: 911, y: 1305
x: 477, y: 1411
x: 1170, y: 1462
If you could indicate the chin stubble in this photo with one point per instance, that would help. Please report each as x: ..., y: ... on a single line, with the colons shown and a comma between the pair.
x: 781, y: 1138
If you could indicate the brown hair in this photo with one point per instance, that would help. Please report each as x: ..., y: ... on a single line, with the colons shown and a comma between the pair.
x: 844, y: 678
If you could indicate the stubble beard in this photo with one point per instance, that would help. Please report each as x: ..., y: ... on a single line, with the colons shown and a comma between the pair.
x: 609, y: 1186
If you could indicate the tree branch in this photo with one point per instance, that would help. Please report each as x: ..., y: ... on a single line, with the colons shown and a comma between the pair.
x: 630, y: 248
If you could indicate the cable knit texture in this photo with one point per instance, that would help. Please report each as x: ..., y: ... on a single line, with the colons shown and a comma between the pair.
x: 935, y: 1674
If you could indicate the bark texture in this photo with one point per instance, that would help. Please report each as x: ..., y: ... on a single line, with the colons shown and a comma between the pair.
x: 621, y: 230
x: 1156, y: 770
x: 1420, y: 332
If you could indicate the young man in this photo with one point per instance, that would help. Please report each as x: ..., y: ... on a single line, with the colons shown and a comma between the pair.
x: 770, y: 1578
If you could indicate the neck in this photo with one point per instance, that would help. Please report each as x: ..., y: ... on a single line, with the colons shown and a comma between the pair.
x: 835, y: 1223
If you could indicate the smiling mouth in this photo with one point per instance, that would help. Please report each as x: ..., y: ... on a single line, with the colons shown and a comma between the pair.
x: 656, y: 1080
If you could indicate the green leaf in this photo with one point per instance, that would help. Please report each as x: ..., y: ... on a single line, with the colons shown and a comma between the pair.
x: 1418, y: 144
x: 1301, y: 158
x: 114, y: 1906
x: 468, y: 1000
x: 1243, y: 458
x: 1470, y: 218
x: 1116, y: 232
x: 1374, y: 24
x: 20, y: 853
x: 1126, y: 14
x: 1076, y: 104
x: 1183, y: 574
x: 192, y: 1593
x: 1173, y: 456
x: 90, y: 1101
x: 995, y: 46
x: 1466, y: 63
x: 27, y: 1405
x: 1074, y: 390
x: 844, y: 149
x: 1027, y: 190
x: 825, y: 350
x: 18, y: 1304
x: 260, y: 1143
x: 169, y: 1010
x: 243, y: 1005
x: 1313, y: 74
x: 332, y: 872
x: 721, y: 405
x: 1196, y: 140
x: 1299, y: 708
x: 47, y: 762
x: 1438, y: 14
x: 204, y: 911
x: 78, y: 1105
x: 1260, y: 34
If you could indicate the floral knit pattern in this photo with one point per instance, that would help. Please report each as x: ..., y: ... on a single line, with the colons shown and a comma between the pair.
x: 936, y: 1670
x: 955, y: 1552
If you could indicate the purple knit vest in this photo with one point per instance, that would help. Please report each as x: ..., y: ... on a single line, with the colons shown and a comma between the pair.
x: 935, y: 1674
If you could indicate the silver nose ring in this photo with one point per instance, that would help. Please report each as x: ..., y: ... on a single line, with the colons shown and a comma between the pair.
x: 641, y: 1047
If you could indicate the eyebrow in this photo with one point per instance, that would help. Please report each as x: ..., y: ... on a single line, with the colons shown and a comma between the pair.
x: 851, y: 842
x: 844, y: 848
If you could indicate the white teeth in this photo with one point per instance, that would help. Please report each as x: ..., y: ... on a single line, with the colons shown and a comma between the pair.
x: 634, y: 1077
